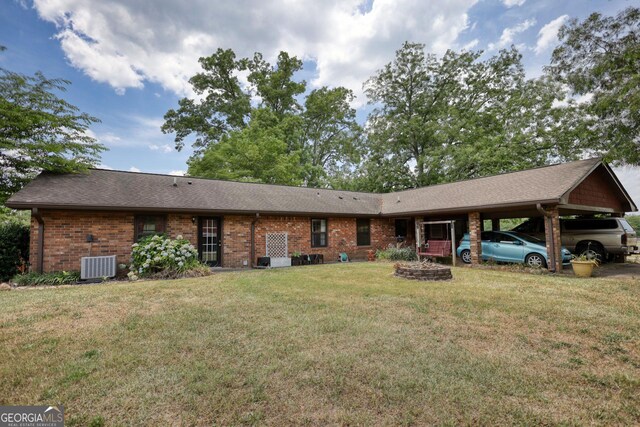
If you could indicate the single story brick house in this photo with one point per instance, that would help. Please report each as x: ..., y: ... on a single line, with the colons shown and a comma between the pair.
x: 103, y: 212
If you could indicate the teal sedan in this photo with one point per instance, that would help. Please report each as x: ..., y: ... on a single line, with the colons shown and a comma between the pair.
x: 509, y: 246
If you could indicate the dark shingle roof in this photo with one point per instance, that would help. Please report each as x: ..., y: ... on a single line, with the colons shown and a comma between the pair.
x: 547, y: 183
x: 107, y: 189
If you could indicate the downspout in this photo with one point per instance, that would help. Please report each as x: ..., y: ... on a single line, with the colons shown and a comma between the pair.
x: 38, y: 216
x: 552, y: 244
x: 253, y: 240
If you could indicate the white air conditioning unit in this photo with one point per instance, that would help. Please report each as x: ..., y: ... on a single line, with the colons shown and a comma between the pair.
x: 96, y: 267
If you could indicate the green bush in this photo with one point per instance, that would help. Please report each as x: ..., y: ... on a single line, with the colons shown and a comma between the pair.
x: 160, y: 254
x: 397, y: 254
x: 47, y: 279
x: 14, y: 248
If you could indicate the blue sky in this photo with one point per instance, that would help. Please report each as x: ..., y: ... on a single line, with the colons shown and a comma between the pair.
x: 129, y: 61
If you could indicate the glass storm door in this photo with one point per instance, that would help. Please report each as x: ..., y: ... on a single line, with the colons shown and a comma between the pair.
x: 209, y: 241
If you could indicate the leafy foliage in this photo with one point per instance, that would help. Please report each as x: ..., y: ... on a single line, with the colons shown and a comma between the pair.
x: 14, y: 248
x: 158, y: 253
x: 47, y: 279
x: 599, y: 58
x: 40, y: 131
x: 11, y: 215
x: 397, y: 254
x: 634, y: 221
x: 456, y: 117
x: 259, y: 152
x: 260, y: 132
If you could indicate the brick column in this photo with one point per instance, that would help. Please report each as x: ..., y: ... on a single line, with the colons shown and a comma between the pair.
x: 495, y: 225
x: 552, y: 233
x: 475, y: 228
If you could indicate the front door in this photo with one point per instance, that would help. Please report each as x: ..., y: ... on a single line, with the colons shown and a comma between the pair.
x: 210, y: 241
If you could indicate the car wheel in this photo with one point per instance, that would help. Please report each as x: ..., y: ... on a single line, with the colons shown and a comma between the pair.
x: 593, y: 251
x: 535, y: 260
x: 465, y: 256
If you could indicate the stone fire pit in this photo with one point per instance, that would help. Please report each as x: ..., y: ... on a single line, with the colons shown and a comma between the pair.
x: 425, y: 270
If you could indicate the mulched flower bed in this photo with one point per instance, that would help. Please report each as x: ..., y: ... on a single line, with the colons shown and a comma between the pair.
x: 425, y: 270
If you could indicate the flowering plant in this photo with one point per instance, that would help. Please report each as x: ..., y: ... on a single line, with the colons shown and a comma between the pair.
x: 159, y: 253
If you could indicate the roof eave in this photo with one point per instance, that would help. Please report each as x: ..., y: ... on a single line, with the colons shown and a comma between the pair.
x: 475, y: 208
x: 28, y: 205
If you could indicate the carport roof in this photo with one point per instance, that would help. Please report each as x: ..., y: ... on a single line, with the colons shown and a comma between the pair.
x: 100, y: 189
x: 547, y: 184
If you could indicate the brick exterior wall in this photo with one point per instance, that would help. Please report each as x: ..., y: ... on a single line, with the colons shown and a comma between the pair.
x: 183, y: 225
x: 65, y: 236
x: 341, y: 236
x: 596, y: 190
x: 553, y: 234
x: 475, y: 240
x: 236, y: 241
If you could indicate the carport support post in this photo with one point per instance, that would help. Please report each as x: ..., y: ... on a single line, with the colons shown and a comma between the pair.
x: 475, y: 239
x: 495, y: 224
x: 552, y: 239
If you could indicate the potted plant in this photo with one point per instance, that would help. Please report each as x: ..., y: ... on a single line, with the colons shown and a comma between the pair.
x: 583, y: 265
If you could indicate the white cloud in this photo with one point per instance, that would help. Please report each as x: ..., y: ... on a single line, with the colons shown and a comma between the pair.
x: 165, y: 148
x: 472, y: 44
x: 126, y: 43
x: 508, y: 34
x: 511, y: 3
x: 178, y: 173
x: 134, y: 169
x: 548, y: 34
x: 103, y: 166
x: 109, y: 138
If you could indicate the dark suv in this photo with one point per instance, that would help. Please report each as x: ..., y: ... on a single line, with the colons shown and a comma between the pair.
x: 602, y: 238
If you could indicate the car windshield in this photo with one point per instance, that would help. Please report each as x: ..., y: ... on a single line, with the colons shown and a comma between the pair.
x: 529, y: 239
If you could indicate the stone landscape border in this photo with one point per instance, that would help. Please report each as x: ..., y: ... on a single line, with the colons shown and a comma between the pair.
x: 423, y: 271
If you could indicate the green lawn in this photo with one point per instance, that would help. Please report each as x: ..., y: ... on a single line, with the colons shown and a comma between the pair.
x: 333, y: 344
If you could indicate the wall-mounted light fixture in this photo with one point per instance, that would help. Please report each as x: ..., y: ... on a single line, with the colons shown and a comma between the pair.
x: 193, y: 219
x: 90, y: 240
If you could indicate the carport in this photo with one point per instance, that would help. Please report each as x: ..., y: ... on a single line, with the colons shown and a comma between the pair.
x: 586, y: 187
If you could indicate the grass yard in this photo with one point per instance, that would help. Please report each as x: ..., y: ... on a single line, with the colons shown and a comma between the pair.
x: 333, y: 344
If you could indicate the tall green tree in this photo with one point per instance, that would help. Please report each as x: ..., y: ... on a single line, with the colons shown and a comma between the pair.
x: 599, y: 58
x: 253, y: 132
x: 331, y: 136
x: 40, y: 131
x: 258, y: 152
x: 223, y: 105
x: 457, y: 117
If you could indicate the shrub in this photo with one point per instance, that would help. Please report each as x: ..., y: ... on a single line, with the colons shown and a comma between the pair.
x: 397, y: 254
x: 14, y: 248
x: 159, y: 254
x: 47, y: 279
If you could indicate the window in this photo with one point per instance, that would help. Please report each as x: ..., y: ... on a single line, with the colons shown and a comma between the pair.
x: 318, y: 233
x: 534, y: 225
x: 591, y: 224
x: 503, y: 238
x: 363, y: 231
x: 436, y: 231
x: 401, y: 228
x: 487, y: 236
x: 148, y: 225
